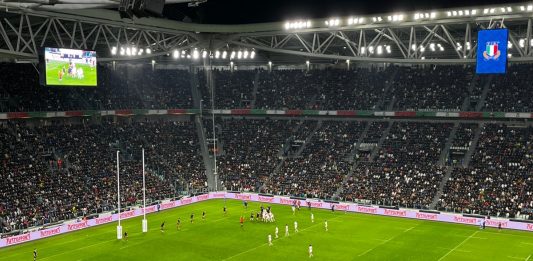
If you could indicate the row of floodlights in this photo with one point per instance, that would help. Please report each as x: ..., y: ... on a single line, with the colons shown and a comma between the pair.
x: 130, y: 51
x: 336, y: 22
x: 188, y: 54
x: 217, y: 54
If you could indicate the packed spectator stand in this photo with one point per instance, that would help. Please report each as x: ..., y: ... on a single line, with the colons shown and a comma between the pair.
x: 58, y: 169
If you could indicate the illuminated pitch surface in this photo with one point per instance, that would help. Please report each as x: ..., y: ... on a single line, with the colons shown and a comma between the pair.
x: 350, y: 237
x: 52, y: 75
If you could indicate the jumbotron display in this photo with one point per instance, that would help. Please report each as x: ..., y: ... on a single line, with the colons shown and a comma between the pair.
x: 70, y: 67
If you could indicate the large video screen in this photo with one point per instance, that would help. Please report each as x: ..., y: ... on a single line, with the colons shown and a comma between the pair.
x: 70, y: 67
x: 492, y: 51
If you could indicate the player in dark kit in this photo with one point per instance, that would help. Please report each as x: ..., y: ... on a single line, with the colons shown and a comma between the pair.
x: 178, y: 224
x: 203, y: 215
x: 126, y: 236
x: 163, y: 226
x: 242, y: 221
x: 192, y: 217
x: 225, y: 210
x: 34, y: 254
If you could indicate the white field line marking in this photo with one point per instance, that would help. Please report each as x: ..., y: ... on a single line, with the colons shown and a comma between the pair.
x: 281, y: 238
x: 514, y: 257
x: 480, y: 237
x: 466, y: 239
x: 385, y: 242
x: 458, y: 250
x: 528, y: 257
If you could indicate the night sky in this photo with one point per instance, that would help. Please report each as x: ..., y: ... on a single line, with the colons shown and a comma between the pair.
x: 259, y: 11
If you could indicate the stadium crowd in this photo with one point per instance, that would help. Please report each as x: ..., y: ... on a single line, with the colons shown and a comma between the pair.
x: 58, y: 171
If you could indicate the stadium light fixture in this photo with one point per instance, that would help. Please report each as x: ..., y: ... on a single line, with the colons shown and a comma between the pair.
x: 224, y: 54
x: 176, y: 54
x: 422, y: 58
x: 114, y: 50
x: 530, y: 8
x: 413, y: 47
x: 509, y: 55
x: 422, y: 49
x: 245, y: 54
x: 239, y: 54
x: 195, y: 54
x: 531, y: 42
x: 388, y: 49
x: 363, y: 50
x: 232, y: 56
x: 509, y: 45
x: 141, y: 51
x: 128, y: 51
x: 153, y: 62
x: 307, y: 62
x: 521, y: 43
x: 333, y: 22
x: 204, y: 54
x: 300, y: 24
x: 148, y: 50
x: 371, y: 49
x: 217, y: 54
x: 269, y: 63
x: 122, y: 51
x: 380, y: 49
x: 252, y: 55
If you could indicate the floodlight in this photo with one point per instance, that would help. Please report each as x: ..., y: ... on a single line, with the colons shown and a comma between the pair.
x: 217, y: 54
x: 245, y: 54
x: 232, y: 55
x: 252, y: 55
x: 122, y: 51
x: 204, y: 54
x: 195, y: 54
x: 148, y: 51
x: 380, y: 49
x: 224, y: 54
x: 176, y: 54
x: 114, y: 50
x: 530, y: 7
x: 128, y: 51
x: 239, y: 54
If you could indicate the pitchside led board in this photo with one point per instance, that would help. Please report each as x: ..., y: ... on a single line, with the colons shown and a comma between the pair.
x: 70, y: 67
x: 492, y: 51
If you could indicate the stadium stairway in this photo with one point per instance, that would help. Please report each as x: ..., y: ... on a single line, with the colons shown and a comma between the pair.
x: 308, y: 139
x: 385, y: 101
x: 484, y: 93
x: 445, y: 152
x: 473, y: 146
x: 445, y: 178
x: 200, y: 131
x: 256, y: 86
x: 383, y: 137
x: 351, y: 157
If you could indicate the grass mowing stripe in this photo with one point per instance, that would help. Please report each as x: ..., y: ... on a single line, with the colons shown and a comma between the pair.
x: 460, y: 244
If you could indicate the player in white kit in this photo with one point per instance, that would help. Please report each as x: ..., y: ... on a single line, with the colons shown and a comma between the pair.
x: 326, y: 225
x: 277, y: 230
x: 295, y: 226
x: 269, y: 240
x: 312, y: 218
x: 310, y: 251
x: 286, y: 230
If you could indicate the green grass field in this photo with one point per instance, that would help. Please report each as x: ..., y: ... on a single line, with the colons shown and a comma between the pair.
x: 350, y: 237
x: 52, y: 75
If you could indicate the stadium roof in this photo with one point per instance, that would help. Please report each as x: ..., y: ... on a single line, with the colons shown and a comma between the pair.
x: 434, y: 36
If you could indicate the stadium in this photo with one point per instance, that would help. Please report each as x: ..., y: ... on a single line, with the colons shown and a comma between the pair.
x: 154, y: 130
